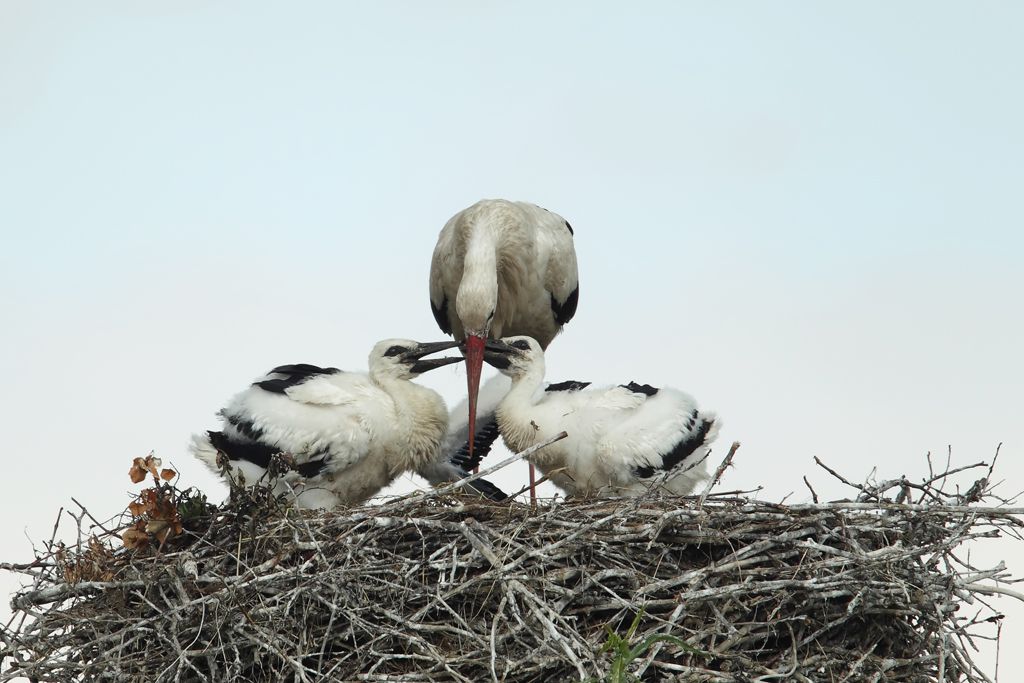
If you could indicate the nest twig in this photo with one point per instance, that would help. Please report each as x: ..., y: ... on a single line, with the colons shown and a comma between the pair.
x: 439, y: 587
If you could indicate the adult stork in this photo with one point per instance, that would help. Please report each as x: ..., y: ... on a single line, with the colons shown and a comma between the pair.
x: 349, y: 434
x: 621, y: 440
x: 502, y: 268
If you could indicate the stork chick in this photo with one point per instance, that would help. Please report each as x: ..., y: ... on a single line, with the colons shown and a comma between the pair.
x: 502, y: 268
x: 350, y: 434
x: 622, y: 440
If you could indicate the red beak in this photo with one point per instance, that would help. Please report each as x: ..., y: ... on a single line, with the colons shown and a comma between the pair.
x: 474, y: 366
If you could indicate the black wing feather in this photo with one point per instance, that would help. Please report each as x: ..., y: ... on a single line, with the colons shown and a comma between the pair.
x: 251, y: 451
x: 259, y: 453
x: 293, y: 374
x: 681, y: 450
x: 441, y: 315
x: 568, y: 385
x: 304, y: 369
x: 645, y: 389
x: 564, y: 311
x: 482, y: 442
x: 487, y: 489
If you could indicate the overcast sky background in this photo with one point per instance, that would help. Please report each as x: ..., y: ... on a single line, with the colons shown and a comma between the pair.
x: 809, y: 217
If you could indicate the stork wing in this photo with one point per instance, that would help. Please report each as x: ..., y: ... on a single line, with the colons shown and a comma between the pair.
x: 615, y: 399
x: 445, y: 274
x: 561, y: 277
x: 310, y: 384
x: 485, y: 437
x: 319, y: 416
x: 665, y: 432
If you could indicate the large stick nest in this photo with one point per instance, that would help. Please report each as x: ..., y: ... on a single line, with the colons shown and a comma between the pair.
x: 443, y: 587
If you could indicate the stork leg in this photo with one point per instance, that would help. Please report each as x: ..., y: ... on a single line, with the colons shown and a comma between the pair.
x: 533, y: 485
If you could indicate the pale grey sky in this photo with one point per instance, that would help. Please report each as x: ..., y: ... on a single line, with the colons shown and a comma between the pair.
x: 808, y: 216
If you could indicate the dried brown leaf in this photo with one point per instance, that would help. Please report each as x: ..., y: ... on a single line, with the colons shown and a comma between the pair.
x: 133, y: 538
x: 156, y: 526
x: 138, y: 470
x: 167, y: 532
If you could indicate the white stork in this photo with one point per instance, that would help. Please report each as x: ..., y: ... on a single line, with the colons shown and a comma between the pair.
x: 502, y: 268
x: 349, y: 434
x: 622, y: 440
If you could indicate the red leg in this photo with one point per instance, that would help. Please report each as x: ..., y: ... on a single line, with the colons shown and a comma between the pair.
x: 533, y: 484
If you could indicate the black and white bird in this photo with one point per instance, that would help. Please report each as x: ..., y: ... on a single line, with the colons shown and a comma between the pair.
x: 622, y: 440
x: 349, y: 434
x: 460, y: 454
x: 502, y: 268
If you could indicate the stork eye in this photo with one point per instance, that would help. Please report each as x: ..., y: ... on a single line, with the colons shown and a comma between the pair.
x: 521, y: 344
x: 395, y: 350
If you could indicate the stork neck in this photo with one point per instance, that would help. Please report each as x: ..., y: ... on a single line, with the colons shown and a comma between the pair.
x: 517, y: 411
x: 421, y: 417
x: 478, y: 291
x: 481, y: 265
x: 395, y: 387
x: 525, y: 385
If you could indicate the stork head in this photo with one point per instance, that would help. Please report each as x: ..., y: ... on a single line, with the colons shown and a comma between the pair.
x: 515, y: 356
x: 403, y: 358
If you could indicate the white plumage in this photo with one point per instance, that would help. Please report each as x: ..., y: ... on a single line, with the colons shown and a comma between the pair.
x: 622, y: 440
x: 502, y: 268
x: 349, y: 433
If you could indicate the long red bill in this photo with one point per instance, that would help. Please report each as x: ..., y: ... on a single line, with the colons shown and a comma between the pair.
x: 474, y: 366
